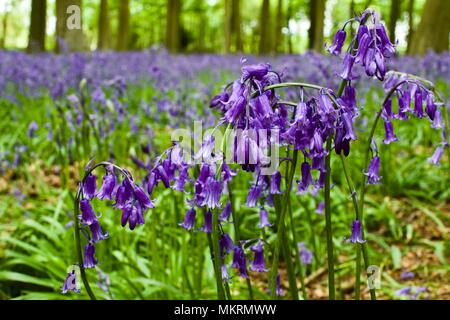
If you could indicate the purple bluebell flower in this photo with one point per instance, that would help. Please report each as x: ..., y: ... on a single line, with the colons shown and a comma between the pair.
x: 227, y: 174
x: 278, y: 291
x: 320, y: 207
x: 406, y: 291
x: 264, y: 219
x: 436, y: 157
x: 438, y: 123
x: 71, y: 283
x: 226, y: 244
x: 226, y: 213
x: 108, y: 185
x: 407, y: 275
x: 306, y: 180
x: 418, y: 103
x: 306, y: 255
x: 356, y: 236
x: 389, y: 130
x: 90, y: 186
x: 258, y: 264
x: 225, y: 275
x: 430, y: 107
x: 338, y: 42
x: 87, y: 216
x: 207, y: 225
x: 240, y: 261
x: 372, y: 172
x: 346, y: 73
x: 189, y: 219
x: 253, y: 195
x: 387, y: 113
x: 212, y: 193
x: 257, y: 71
x: 143, y: 198
x: 347, y: 119
x: 32, y: 127
x: 89, y: 256
x: 123, y: 195
x: 97, y: 233
x: 275, y: 183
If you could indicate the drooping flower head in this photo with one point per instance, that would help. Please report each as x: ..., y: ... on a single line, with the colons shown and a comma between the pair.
x: 189, y: 220
x: 372, y: 172
x: 89, y: 256
x: 356, y: 236
x: 258, y: 264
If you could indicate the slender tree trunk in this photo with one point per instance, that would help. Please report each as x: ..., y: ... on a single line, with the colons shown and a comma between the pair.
x: 236, y: 24
x: 264, y: 28
x: 279, y: 24
x: 410, y: 24
x: 69, y: 26
x: 393, y: 18
x: 104, y: 27
x: 434, y: 28
x: 4, y: 28
x: 173, y: 25
x: 36, y: 36
x: 288, y: 18
x: 227, y: 25
x: 317, y: 17
x: 124, y: 25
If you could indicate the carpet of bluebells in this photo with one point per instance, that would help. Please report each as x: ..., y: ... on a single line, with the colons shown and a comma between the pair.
x: 86, y: 143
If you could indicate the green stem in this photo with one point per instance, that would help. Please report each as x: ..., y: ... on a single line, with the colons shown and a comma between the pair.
x: 279, y: 236
x: 297, y: 253
x: 213, y: 240
x: 357, y: 217
x: 329, y: 230
x: 79, y: 249
x: 237, y: 234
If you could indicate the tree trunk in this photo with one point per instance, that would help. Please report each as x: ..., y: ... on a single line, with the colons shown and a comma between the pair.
x: 316, y: 17
x: 279, y: 29
x: 124, y: 25
x: 393, y: 18
x: 104, y: 27
x: 173, y: 25
x: 227, y: 26
x: 236, y: 24
x: 434, y: 28
x: 36, y: 36
x: 4, y: 27
x: 288, y: 18
x: 264, y: 28
x: 411, y: 24
x: 69, y: 26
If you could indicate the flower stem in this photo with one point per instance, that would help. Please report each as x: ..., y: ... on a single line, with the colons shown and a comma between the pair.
x: 329, y: 230
x: 237, y: 235
x: 79, y: 249
x: 279, y: 237
x: 352, y: 191
x: 297, y: 253
x: 213, y: 240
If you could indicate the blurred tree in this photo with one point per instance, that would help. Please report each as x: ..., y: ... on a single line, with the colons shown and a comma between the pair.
x: 434, y: 28
x: 316, y: 17
x: 393, y: 18
x: 36, y: 36
x: 236, y: 25
x: 227, y: 25
x: 104, y: 27
x: 4, y: 24
x: 265, y: 28
x: 173, y: 40
x: 410, y: 25
x: 279, y: 27
x: 124, y: 22
x: 69, y: 26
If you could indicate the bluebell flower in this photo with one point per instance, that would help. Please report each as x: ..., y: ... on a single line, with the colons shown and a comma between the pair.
x: 189, y: 219
x: 372, y: 172
x: 87, y: 216
x: 356, y: 236
x: 258, y: 264
x: 264, y: 219
x: 70, y: 283
x: 89, y: 256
